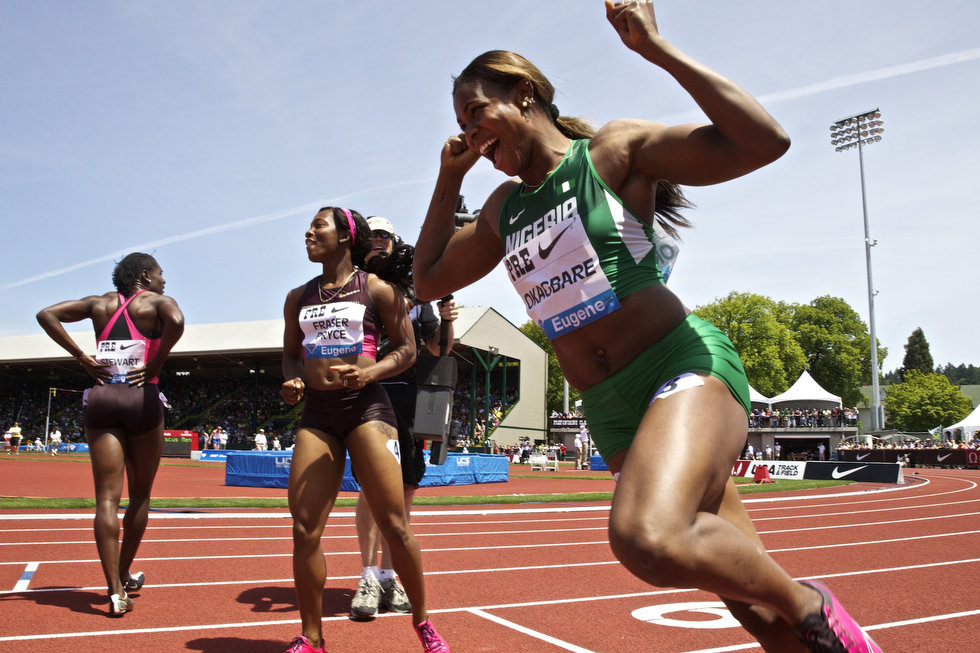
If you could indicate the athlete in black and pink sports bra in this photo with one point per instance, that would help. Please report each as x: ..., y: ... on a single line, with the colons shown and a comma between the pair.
x: 123, y: 411
x: 329, y: 358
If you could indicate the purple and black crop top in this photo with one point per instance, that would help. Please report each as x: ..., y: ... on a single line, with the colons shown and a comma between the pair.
x: 339, y: 322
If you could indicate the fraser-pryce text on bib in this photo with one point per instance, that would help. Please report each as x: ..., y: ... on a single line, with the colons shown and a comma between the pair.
x: 332, y: 330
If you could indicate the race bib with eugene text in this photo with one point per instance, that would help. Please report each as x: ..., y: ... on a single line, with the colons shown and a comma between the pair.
x: 332, y: 330
x: 558, y: 276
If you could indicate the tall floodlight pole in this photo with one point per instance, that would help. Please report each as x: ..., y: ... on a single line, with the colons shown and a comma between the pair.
x: 845, y: 134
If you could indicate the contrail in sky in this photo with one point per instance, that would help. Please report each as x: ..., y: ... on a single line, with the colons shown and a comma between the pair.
x: 872, y: 76
x: 831, y: 84
x: 197, y: 233
x: 844, y: 81
x: 207, y: 231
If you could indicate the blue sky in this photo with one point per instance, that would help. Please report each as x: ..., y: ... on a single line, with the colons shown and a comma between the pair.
x: 207, y: 133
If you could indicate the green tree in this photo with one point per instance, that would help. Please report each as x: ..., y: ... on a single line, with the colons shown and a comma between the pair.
x: 837, y: 346
x: 770, y: 353
x: 961, y: 374
x: 923, y: 401
x: 556, y: 380
x: 917, y: 356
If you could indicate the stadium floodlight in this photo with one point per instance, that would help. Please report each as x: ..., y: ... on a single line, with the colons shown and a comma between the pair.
x: 846, y: 134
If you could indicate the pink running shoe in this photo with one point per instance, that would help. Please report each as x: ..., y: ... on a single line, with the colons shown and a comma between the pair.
x: 431, y: 641
x: 302, y: 645
x: 832, y: 630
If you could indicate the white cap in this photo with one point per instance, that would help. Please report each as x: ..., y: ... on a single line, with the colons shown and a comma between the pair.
x: 377, y: 223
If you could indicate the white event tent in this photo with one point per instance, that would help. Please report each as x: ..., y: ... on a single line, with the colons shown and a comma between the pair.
x: 967, y: 426
x: 757, y: 399
x: 805, y: 393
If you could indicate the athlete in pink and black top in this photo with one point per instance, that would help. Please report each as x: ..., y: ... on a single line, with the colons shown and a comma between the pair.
x: 329, y: 357
x: 136, y: 326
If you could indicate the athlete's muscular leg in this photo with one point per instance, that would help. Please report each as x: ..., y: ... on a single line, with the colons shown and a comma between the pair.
x: 143, y: 453
x: 107, y: 454
x: 315, y: 474
x: 379, y: 473
x: 772, y: 632
x: 409, y: 490
x: 673, y: 525
x: 368, y: 536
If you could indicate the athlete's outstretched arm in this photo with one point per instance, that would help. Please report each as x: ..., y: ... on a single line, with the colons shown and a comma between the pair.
x: 740, y: 138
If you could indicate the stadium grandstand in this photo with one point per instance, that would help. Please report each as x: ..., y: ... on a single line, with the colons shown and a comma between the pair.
x: 228, y: 375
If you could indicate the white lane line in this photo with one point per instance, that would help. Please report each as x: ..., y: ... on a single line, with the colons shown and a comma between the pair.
x: 450, y: 549
x: 418, y: 527
x: 25, y: 578
x: 285, y: 514
x: 475, y: 609
x: 506, y: 510
x: 527, y: 631
x: 289, y: 581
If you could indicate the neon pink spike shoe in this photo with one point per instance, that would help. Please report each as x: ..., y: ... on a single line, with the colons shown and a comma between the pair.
x: 431, y: 640
x: 302, y: 645
x: 833, y: 630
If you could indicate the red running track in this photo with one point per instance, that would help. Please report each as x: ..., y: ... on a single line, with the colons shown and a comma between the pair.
x: 904, y: 559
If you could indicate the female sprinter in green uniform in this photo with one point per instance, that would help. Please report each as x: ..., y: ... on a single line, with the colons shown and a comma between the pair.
x: 576, y: 236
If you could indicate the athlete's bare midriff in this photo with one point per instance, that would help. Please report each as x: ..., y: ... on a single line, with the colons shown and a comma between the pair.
x: 319, y: 375
x: 596, y: 351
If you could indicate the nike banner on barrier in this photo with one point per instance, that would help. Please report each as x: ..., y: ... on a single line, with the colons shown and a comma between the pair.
x: 865, y: 472
x: 822, y: 471
x: 931, y: 456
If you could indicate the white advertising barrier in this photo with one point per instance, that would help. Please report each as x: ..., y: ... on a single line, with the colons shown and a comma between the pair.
x: 777, y: 468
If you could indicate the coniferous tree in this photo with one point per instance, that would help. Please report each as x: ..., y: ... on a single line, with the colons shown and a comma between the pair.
x: 917, y: 356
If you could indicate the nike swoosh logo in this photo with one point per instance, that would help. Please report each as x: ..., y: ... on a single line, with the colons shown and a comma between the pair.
x: 545, y: 252
x: 942, y: 458
x: 349, y: 292
x: 337, y: 309
x: 839, y: 474
x: 121, y: 347
x: 863, y: 456
x: 517, y: 217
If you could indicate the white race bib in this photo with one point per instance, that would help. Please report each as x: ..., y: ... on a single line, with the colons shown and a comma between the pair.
x: 332, y: 330
x: 558, y: 276
x: 122, y: 357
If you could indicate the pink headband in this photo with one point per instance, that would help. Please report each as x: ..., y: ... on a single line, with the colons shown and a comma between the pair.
x: 350, y: 223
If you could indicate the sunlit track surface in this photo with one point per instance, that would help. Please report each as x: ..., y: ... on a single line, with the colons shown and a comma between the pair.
x: 904, y: 559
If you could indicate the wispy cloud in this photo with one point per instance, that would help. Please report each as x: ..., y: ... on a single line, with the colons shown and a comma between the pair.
x: 854, y: 79
x: 872, y: 76
x: 208, y: 231
x: 198, y: 233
